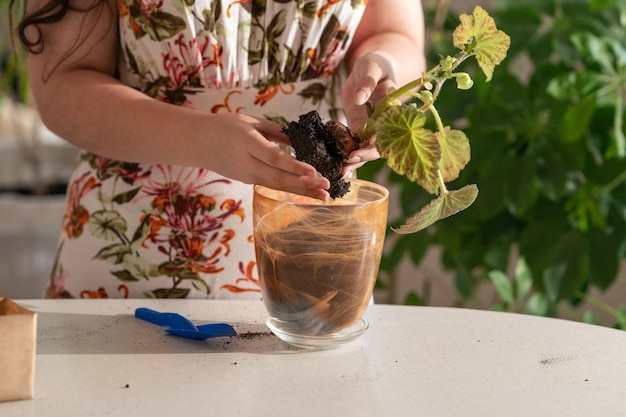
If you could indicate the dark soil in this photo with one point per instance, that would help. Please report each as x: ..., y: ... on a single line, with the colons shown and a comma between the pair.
x: 323, y: 145
x: 315, y: 286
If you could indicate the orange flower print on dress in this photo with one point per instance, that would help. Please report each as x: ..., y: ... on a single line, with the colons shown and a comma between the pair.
x: 102, y: 293
x: 247, y: 278
x: 228, y: 236
x: 124, y: 11
x: 76, y: 215
x: 229, y: 204
x: 226, y: 106
x: 269, y: 92
x: 187, y: 225
x: 234, y: 3
x: 325, y: 8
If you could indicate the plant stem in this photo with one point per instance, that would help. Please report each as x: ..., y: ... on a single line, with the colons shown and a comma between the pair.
x: 599, y: 304
x: 617, y: 124
x: 441, y: 132
x: 435, y: 74
x: 442, y: 184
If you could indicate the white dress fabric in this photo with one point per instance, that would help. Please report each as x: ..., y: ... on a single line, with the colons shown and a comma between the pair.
x: 151, y: 230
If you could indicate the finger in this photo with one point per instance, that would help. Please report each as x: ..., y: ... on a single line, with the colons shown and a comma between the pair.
x: 303, y: 185
x: 272, y: 131
x: 365, y: 153
x: 272, y: 155
x: 370, y: 70
x: 278, y: 170
x: 358, y: 158
x: 367, y: 76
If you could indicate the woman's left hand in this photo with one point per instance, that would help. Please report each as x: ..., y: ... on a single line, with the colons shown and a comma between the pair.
x: 370, y: 79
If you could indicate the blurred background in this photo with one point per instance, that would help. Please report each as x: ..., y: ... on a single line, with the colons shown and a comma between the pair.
x: 34, y: 168
x: 547, y: 234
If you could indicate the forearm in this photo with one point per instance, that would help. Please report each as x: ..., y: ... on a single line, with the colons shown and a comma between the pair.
x: 98, y: 113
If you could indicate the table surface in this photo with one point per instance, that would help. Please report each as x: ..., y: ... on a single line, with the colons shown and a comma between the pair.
x: 94, y: 358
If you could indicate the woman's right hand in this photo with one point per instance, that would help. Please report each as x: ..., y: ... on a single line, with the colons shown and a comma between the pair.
x: 244, y: 148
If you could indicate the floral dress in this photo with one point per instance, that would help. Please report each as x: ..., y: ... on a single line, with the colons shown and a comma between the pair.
x: 163, y: 231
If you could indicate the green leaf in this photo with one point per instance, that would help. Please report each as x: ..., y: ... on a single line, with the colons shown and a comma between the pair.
x: 314, y: 91
x: 491, y: 201
x: 113, y: 254
x: 418, y: 246
x: 177, y: 269
x: 502, y: 284
x: 521, y: 188
x: 523, y: 279
x: 167, y: 293
x: 443, y: 206
x: 126, y: 196
x: 573, y: 85
x: 107, y: 225
x: 599, y: 5
x: 140, y: 267
x: 577, y: 119
x: 537, y: 305
x: 594, y: 47
x: 621, y: 317
x: 125, y: 276
x: 590, y: 317
x: 277, y: 25
x: 455, y: 153
x: 552, y: 174
x: 534, y: 244
x: 392, y: 258
x: 161, y: 25
x: 566, y: 268
x: 201, y: 285
x: 491, y: 44
x: 603, y: 259
x: 309, y: 9
x: 464, y: 282
x: 412, y: 299
x: 409, y: 149
x: 141, y: 233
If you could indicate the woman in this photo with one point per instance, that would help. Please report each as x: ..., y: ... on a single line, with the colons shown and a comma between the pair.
x: 177, y: 106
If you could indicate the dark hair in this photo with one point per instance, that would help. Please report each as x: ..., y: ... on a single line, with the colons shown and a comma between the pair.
x: 51, y: 12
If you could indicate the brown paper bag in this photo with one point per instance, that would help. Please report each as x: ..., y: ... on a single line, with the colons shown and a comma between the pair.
x: 18, y: 339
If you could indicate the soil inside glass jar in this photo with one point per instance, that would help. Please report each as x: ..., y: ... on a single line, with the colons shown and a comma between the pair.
x: 314, y: 283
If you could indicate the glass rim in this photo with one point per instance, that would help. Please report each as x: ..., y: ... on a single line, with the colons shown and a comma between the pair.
x: 381, y: 189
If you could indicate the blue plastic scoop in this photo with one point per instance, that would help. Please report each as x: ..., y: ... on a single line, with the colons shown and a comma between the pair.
x: 181, y: 326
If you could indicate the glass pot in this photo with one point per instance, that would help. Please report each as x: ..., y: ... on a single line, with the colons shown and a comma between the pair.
x: 318, y: 261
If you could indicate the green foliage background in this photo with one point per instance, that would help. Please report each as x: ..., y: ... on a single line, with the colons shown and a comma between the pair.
x: 547, y: 137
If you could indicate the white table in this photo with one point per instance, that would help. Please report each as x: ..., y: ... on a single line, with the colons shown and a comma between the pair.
x: 95, y: 359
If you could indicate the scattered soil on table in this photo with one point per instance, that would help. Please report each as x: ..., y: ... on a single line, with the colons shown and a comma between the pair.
x: 323, y: 145
x: 257, y: 335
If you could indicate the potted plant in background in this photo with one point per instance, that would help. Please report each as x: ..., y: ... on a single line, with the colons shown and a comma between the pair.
x: 548, y: 230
